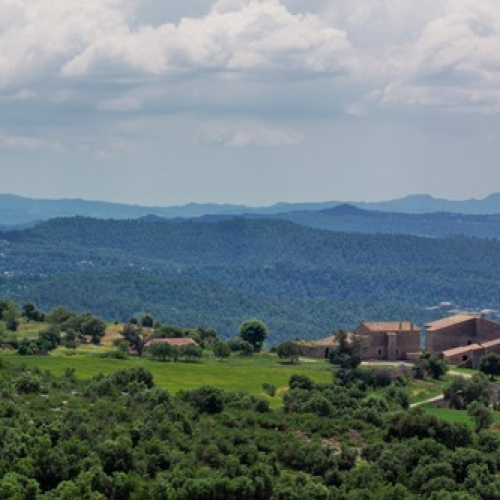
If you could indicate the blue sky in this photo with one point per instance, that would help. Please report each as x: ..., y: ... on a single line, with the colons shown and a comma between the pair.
x: 248, y: 101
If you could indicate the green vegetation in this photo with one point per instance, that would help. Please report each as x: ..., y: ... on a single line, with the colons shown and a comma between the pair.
x: 453, y: 416
x: 234, y: 374
x: 299, y: 281
x: 121, y: 436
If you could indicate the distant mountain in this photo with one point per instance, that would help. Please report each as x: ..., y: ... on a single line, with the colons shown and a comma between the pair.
x: 351, y: 219
x: 15, y: 210
x: 423, y: 203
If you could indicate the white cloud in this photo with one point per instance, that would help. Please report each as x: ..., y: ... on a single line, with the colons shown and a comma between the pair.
x: 244, y: 58
x: 242, y: 134
x: 54, y: 38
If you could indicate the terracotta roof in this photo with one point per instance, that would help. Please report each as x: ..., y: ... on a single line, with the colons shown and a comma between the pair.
x: 491, y: 343
x: 332, y: 339
x: 462, y: 350
x: 390, y: 326
x: 449, y: 321
x: 172, y: 341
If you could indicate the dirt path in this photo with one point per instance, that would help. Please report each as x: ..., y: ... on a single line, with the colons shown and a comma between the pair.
x: 439, y: 397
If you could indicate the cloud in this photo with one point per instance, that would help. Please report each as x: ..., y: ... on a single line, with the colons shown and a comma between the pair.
x: 453, y: 62
x: 27, y: 143
x: 56, y: 38
x: 247, y: 134
x: 256, y: 60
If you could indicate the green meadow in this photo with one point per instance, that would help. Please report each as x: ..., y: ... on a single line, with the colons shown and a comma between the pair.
x: 455, y: 415
x: 233, y: 374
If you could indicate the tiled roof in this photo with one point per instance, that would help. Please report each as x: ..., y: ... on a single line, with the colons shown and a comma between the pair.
x: 462, y: 350
x: 491, y: 343
x: 449, y: 321
x: 390, y: 326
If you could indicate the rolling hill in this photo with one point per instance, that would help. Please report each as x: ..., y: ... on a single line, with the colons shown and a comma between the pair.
x: 302, y: 281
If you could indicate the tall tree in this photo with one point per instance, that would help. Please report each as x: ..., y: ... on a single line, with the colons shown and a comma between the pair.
x: 136, y: 336
x: 255, y: 332
x: 347, y: 354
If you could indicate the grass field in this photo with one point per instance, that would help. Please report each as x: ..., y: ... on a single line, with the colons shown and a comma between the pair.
x: 455, y: 415
x: 421, y: 390
x: 233, y: 374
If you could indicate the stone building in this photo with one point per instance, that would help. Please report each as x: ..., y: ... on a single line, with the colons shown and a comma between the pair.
x: 317, y: 348
x: 459, y: 331
x: 389, y: 340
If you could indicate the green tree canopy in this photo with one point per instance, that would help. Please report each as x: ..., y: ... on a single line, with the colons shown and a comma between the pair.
x: 347, y: 354
x: 289, y: 350
x: 490, y: 365
x: 255, y: 332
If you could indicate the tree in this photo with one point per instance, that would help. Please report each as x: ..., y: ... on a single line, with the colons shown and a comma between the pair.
x: 161, y: 350
x: 10, y: 314
x: 490, y: 365
x: 191, y: 352
x: 221, y: 350
x: 136, y: 337
x: 242, y: 346
x: 482, y: 415
x: 94, y: 328
x: 289, y: 349
x: 31, y: 313
x: 430, y: 365
x: 347, y: 354
x: 255, y: 332
x: 462, y: 392
x: 147, y: 321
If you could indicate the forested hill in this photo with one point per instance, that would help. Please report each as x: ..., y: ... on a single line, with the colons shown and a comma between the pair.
x: 439, y: 224
x: 302, y: 281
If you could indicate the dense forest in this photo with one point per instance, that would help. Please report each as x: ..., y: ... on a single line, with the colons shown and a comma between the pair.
x: 302, y: 282
x: 121, y: 437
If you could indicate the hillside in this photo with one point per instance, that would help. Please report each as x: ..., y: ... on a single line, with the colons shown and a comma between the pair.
x: 302, y: 281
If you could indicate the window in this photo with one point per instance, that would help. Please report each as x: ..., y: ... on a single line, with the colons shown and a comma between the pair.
x: 465, y: 357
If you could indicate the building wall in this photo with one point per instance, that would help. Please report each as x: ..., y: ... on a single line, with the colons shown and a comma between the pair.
x: 474, y: 330
x: 452, y: 336
x: 488, y: 330
x: 389, y: 346
x: 470, y: 357
x: 408, y: 343
x: 316, y: 351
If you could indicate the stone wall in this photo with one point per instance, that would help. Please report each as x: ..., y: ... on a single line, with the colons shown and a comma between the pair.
x: 391, y: 346
x: 471, y: 331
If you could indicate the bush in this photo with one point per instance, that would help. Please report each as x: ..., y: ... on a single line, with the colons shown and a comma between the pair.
x: 27, y: 383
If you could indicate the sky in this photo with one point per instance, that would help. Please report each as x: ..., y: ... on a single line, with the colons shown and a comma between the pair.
x: 251, y: 102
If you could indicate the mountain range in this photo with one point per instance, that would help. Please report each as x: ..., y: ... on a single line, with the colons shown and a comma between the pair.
x: 17, y: 210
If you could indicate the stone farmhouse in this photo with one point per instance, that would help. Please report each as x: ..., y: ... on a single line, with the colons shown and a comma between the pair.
x: 463, y: 338
x: 317, y: 348
x: 389, y: 340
